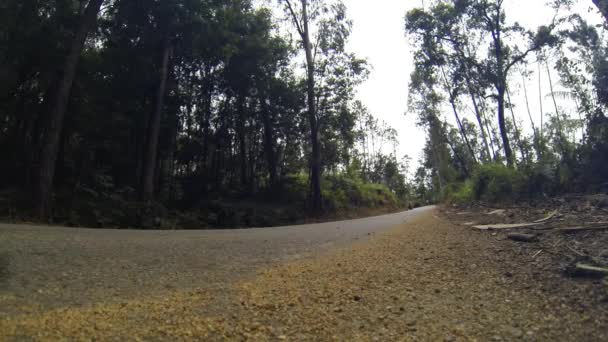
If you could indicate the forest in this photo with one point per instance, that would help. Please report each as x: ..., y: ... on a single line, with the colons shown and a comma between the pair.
x: 231, y: 113
x: 187, y: 114
x: 488, y: 138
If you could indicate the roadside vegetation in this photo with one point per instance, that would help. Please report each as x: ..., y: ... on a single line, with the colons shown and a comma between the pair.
x: 187, y: 114
x: 488, y: 138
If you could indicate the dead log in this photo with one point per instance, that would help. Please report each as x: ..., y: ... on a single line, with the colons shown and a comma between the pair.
x: 522, y: 237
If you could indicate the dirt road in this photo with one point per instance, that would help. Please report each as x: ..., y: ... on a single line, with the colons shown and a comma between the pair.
x: 407, y: 276
x: 55, y: 266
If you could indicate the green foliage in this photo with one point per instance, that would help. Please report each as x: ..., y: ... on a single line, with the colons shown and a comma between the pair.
x: 496, y: 183
x: 343, y: 192
x: 460, y: 193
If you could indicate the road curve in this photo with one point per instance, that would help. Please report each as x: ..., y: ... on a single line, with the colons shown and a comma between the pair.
x: 57, y: 266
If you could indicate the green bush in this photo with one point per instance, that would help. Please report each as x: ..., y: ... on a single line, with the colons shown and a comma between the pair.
x: 539, y: 179
x: 344, y: 192
x: 293, y: 189
x: 497, y: 183
x: 460, y: 192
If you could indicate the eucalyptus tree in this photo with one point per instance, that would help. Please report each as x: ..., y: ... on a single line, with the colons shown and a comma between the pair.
x: 323, y: 29
x: 34, y: 39
x: 302, y: 16
x: 505, y: 53
x: 436, y: 33
x: 57, y: 104
x: 424, y: 100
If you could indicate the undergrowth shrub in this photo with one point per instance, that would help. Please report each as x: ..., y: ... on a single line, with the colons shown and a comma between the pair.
x: 460, y: 193
x: 497, y: 183
x: 344, y: 192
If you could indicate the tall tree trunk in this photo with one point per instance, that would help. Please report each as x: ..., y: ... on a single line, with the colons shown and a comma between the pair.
x: 478, y: 114
x: 482, y: 127
x: 559, y: 124
x: 168, y: 165
x: 501, y: 86
x: 151, y: 154
x: 240, y: 129
x: 56, y: 118
x: 463, y: 133
x: 491, y: 133
x: 269, y: 143
x: 536, y: 138
x: 436, y: 137
x: 315, y: 164
x: 540, y: 102
x: 458, y: 155
x: 503, y: 128
x: 522, y: 150
x: 207, y: 95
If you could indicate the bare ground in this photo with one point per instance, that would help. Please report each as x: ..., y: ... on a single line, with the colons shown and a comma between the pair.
x: 426, y: 279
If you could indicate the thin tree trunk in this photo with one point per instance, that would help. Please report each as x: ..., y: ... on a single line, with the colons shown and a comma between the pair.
x: 58, y: 108
x: 315, y: 165
x: 269, y: 142
x: 540, y: 101
x: 478, y: 113
x: 435, y: 134
x: 154, y: 128
x: 240, y: 128
x: 501, y: 86
x: 491, y: 133
x: 168, y: 167
x: 536, y: 141
x: 517, y: 131
x: 559, y: 124
x: 482, y: 127
x: 452, y: 100
x: 580, y: 117
x: 458, y: 156
x: 503, y: 128
x: 207, y: 108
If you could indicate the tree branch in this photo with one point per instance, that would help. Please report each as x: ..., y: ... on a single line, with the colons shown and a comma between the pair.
x: 521, y: 57
x: 295, y: 18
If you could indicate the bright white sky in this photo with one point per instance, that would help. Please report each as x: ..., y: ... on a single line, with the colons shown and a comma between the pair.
x: 378, y: 35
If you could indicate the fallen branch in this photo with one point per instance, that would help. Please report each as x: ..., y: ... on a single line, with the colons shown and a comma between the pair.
x: 505, y: 226
x: 550, y: 216
x: 537, y: 253
x: 516, y: 225
x: 575, y: 251
x: 588, y: 270
x: 522, y: 237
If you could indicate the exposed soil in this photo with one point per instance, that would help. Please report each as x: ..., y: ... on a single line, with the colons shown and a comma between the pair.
x: 426, y: 279
x: 574, y: 230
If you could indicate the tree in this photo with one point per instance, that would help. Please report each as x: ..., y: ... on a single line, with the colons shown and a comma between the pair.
x: 490, y: 17
x: 330, y: 72
x: 149, y: 166
x: 301, y: 20
x: 57, y: 105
